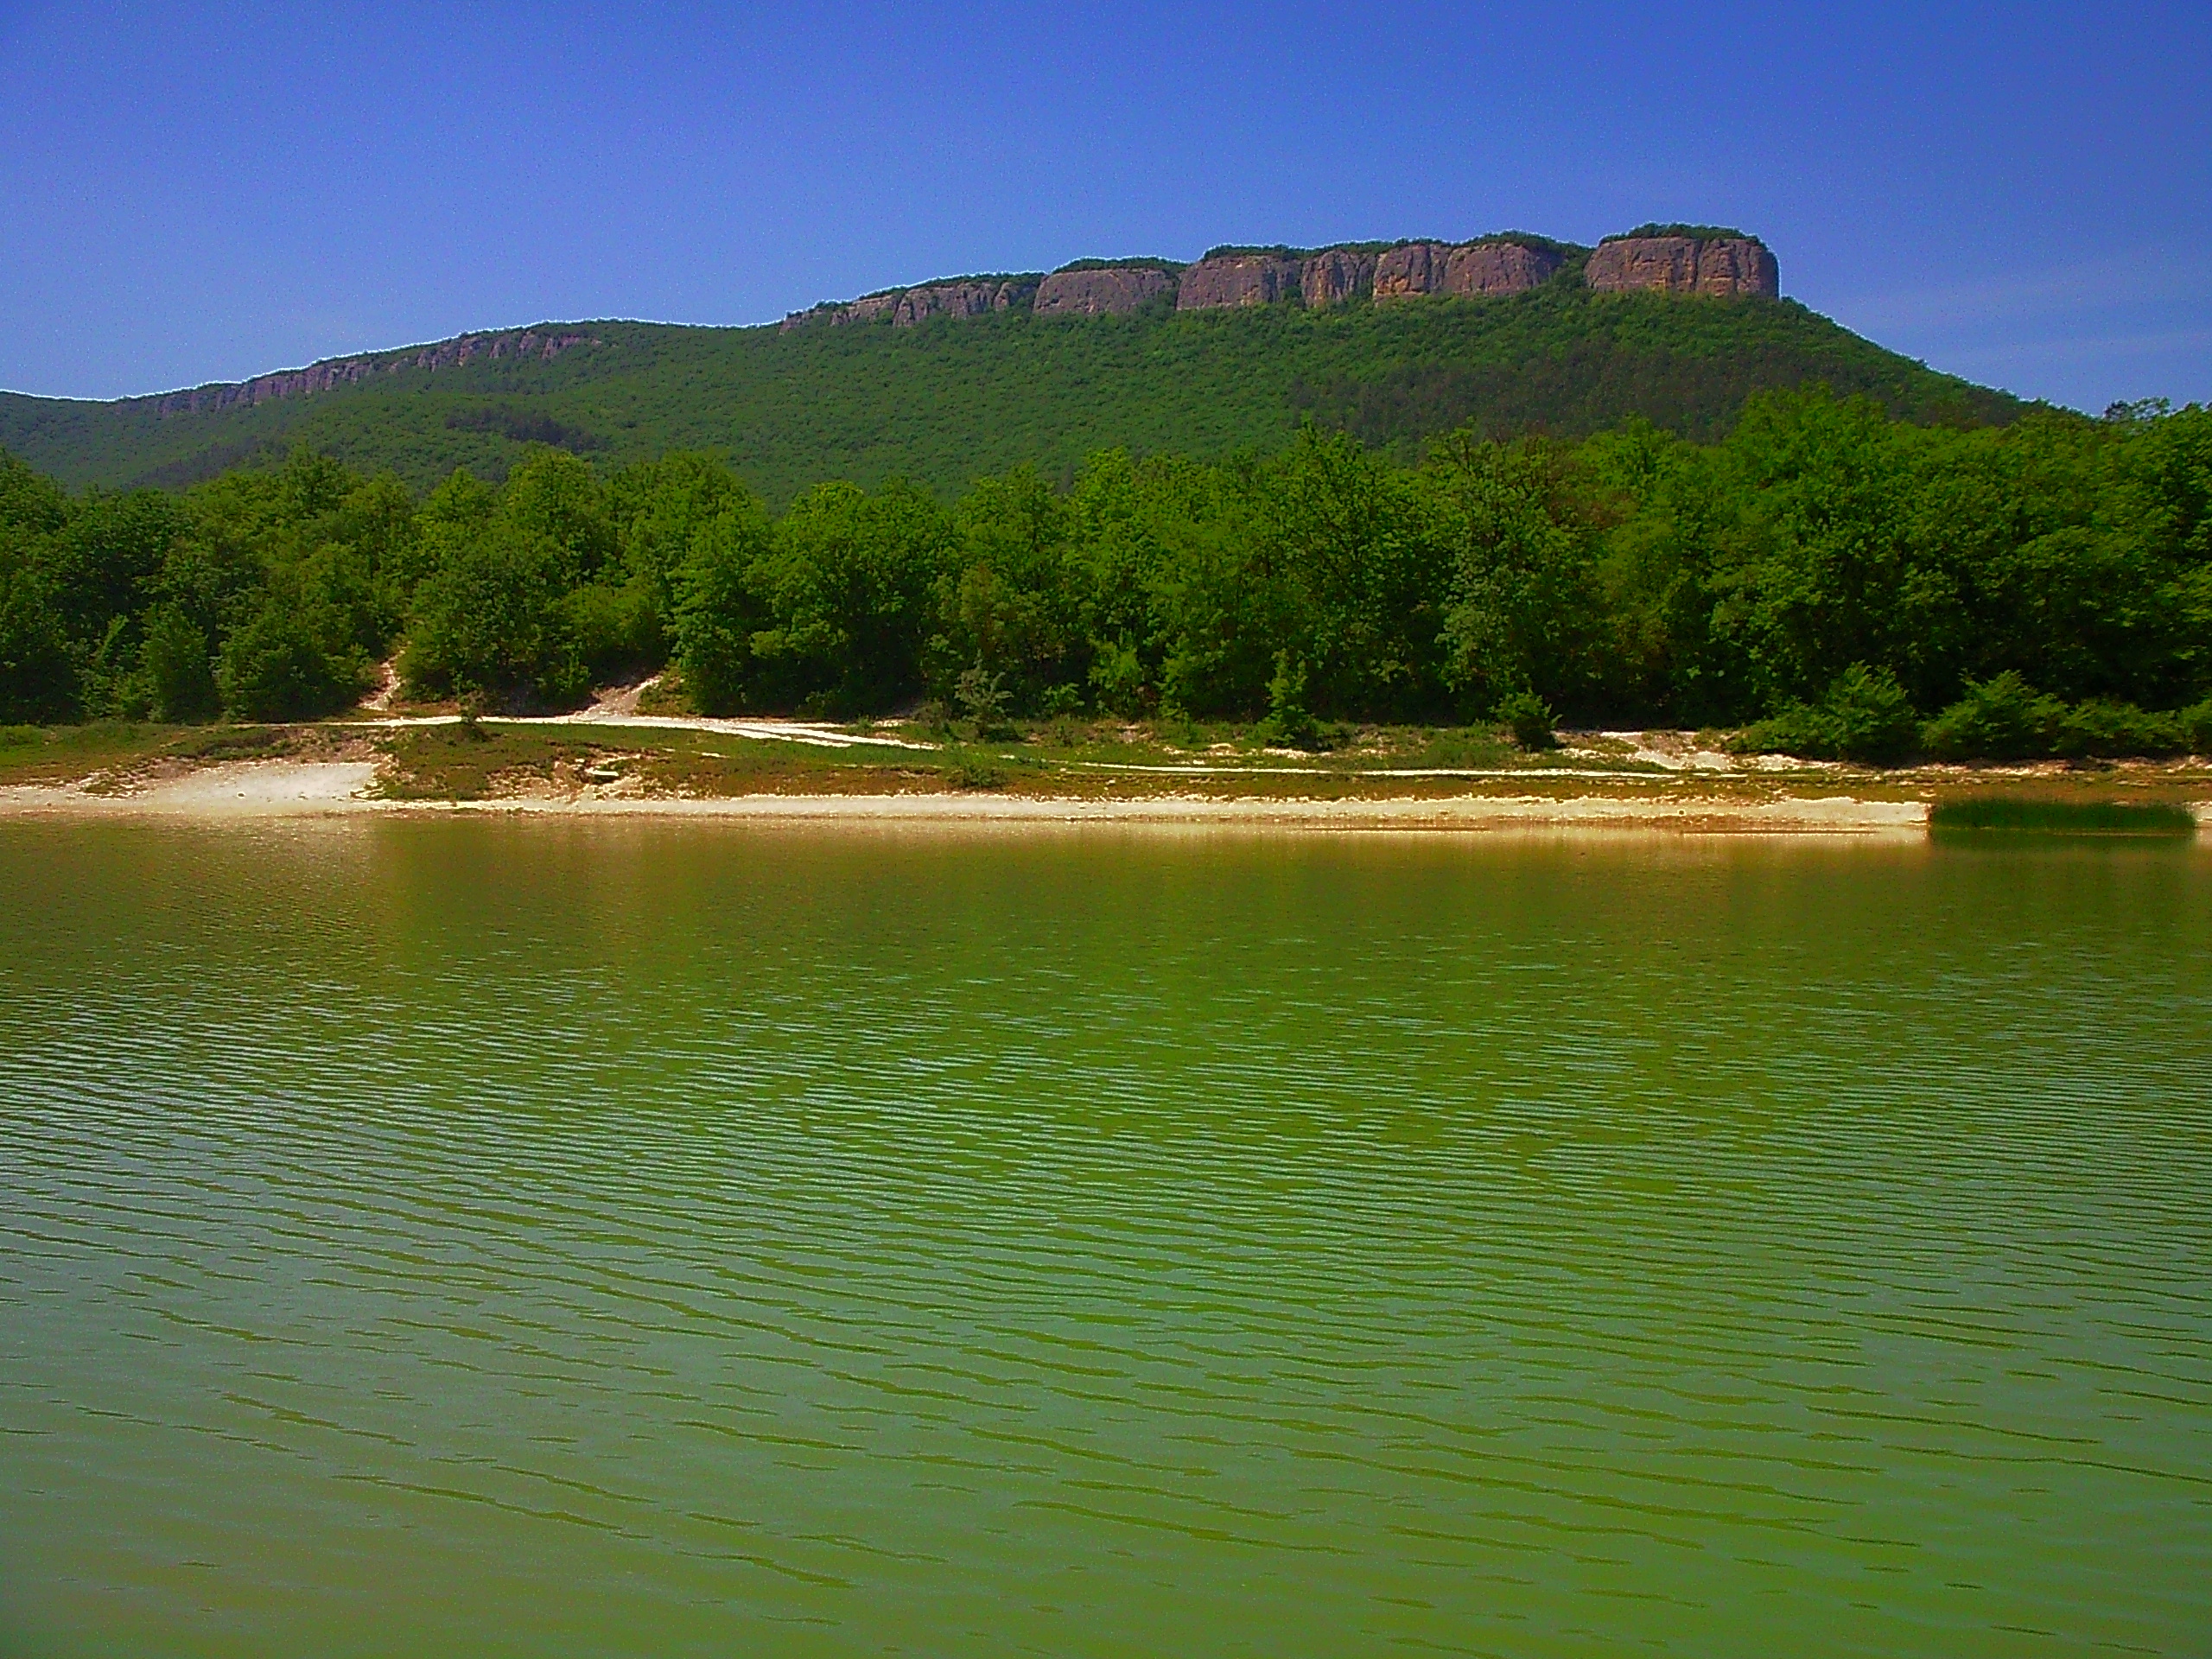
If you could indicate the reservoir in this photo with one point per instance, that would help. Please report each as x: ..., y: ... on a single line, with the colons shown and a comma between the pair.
x: 435, y: 1235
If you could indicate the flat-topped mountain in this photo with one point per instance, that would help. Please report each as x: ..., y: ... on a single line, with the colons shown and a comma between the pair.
x: 945, y: 380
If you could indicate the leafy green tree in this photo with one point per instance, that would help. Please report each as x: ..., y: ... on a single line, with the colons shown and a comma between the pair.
x: 495, y: 619
x: 848, y: 586
x: 1364, y: 566
x: 552, y: 500
x: 1217, y: 605
x: 290, y: 661
x: 38, y: 678
x: 1829, y: 486
x: 1010, y: 599
x: 658, y: 509
x: 179, y: 671
x: 1523, y: 593
x: 718, y: 610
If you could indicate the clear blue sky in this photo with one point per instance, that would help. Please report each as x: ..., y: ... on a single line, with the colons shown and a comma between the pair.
x: 2016, y: 193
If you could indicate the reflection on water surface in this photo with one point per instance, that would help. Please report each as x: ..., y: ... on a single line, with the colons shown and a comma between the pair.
x: 651, y: 1238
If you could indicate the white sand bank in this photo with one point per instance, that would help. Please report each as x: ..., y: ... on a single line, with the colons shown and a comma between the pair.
x: 288, y: 788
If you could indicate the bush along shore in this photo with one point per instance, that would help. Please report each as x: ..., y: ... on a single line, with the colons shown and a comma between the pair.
x: 1826, y: 580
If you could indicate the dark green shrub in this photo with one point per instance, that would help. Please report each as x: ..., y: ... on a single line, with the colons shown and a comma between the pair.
x: 2196, y: 723
x: 1470, y: 747
x: 1117, y: 678
x: 981, y: 696
x: 2104, y: 729
x: 1999, y: 719
x: 1869, y: 716
x: 1865, y: 717
x: 1528, y: 717
x: 232, y: 742
x: 1290, y: 723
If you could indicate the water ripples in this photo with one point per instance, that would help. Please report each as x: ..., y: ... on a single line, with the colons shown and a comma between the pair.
x: 669, y: 1239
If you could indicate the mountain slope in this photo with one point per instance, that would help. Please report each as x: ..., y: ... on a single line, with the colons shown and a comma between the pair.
x: 955, y: 397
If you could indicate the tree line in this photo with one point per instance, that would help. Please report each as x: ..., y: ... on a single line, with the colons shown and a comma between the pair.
x: 1847, y: 583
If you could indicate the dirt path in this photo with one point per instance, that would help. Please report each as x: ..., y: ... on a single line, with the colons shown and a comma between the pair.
x: 812, y: 732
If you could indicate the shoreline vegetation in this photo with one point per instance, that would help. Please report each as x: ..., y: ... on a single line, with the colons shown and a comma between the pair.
x: 1825, y: 604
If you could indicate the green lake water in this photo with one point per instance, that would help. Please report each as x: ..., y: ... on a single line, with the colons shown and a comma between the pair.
x: 459, y: 1237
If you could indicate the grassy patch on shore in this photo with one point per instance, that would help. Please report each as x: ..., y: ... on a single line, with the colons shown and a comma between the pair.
x: 104, y: 751
x: 497, y: 759
x: 2047, y: 815
x: 494, y: 761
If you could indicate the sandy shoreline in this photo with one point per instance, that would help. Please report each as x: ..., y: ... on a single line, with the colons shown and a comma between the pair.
x: 309, y: 789
x: 244, y: 790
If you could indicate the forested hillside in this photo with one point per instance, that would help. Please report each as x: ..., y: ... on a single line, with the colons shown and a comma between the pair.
x: 1868, y: 587
x: 955, y: 399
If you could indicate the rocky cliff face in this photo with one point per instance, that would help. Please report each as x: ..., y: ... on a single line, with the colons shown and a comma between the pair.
x: 1105, y: 290
x: 1410, y: 268
x: 1724, y: 266
x: 865, y: 310
x: 967, y: 297
x: 1335, y: 275
x: 1235, y: 279
x: 1474, y: 269
x: 1329, y: 277
x: 1495, y: 265
x: 519, y: 343
x: 953, y: 300
x: 1499, y: 268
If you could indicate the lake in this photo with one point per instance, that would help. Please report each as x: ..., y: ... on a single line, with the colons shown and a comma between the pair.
x: 607, y: 1239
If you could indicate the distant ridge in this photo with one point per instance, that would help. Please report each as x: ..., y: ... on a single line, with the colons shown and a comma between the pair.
x: 543, y: 342
x: 944, y: 381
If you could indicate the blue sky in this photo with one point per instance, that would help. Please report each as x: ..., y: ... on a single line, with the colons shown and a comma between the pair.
x: 2018, y: 194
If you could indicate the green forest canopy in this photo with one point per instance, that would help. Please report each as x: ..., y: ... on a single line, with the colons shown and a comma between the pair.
x: 1841, y: 574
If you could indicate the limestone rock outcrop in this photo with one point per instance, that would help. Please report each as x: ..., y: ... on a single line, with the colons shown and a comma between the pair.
x: 1410, y: 268
x: 1476, y: 269
x: 1235, y: 279
x: 1100, y: 290
x: 510, y: 343
x: 1723, y: 265
x: 1334, y: 275
x: 1226, y: 280
x: 970, y: 299
x: 1499, y: 268
x: 867, y: 309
